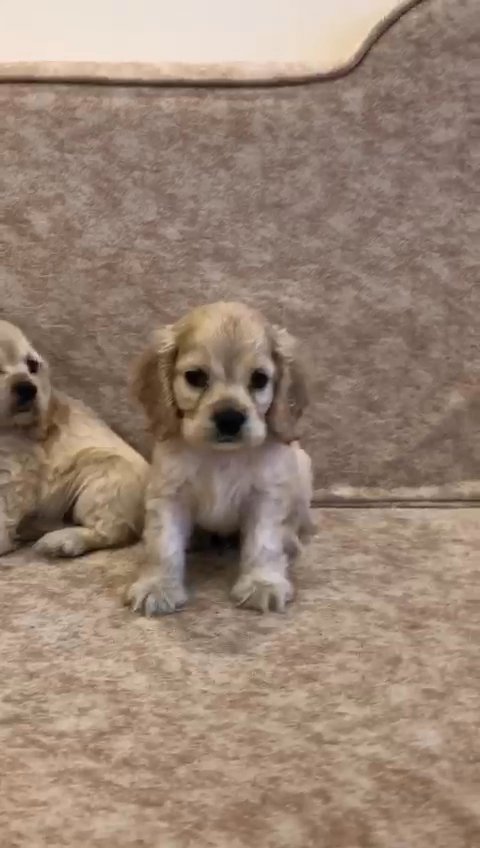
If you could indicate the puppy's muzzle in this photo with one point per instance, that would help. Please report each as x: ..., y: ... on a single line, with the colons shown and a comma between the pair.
x: 23, y: 394
x: 228, y: 424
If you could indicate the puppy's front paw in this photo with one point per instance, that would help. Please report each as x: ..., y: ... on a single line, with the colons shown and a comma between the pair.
x: 262, y: 592
x: 68, y: 542
x: 152, y: 597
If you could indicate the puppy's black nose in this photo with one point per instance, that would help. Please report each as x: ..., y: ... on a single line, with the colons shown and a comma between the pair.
x: 24, y: 391
x: 229, y: 422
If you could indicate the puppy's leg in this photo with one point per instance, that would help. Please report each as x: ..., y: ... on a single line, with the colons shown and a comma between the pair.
x: 263, y: 582
x: 75, y: 541
x: 302, y: 518
x: 160, y: 589
x: 108, y: 513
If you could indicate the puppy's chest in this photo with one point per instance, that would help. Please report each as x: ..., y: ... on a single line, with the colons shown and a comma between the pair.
x: 219, y: 497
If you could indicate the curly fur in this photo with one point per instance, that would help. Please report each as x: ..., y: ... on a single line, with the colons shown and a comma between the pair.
x: 58, y: 459
x: 258, y: 483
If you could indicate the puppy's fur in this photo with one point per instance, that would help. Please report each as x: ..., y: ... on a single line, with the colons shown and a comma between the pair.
x: 57, y: 459
x: 223, y: 391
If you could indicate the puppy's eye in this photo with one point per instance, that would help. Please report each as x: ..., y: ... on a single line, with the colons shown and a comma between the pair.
x: 33, y: 364
x: 258, y: 380
x: 197, y: 378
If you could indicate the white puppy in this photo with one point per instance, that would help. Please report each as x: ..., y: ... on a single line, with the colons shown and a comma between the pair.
x: 223, y: 391
x: 57, y: 459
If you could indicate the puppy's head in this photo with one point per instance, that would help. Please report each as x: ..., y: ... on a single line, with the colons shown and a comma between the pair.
x: 24, y: 381
x: 222, y: 377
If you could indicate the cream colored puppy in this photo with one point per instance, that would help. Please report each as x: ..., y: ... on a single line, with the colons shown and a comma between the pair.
x: 223, y: 391
x: 58, y: 459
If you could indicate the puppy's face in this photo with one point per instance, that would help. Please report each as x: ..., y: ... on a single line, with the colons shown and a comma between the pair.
x: 24, y: 381
x: 223, y: 378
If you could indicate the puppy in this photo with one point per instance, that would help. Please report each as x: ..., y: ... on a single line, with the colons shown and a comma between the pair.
x: 223, y: 391
x: 58, y: 459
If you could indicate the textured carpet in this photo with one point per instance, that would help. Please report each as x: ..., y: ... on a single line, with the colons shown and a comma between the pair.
x: 351, y: 722
x: 190, y: 40
x: 347, y: 210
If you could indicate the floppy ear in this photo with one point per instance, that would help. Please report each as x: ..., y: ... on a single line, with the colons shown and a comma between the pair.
x: 291, y: 397
x: 152, y: 383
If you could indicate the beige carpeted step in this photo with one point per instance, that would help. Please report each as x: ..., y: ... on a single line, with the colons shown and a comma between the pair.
x: 189, y: 40
x: 352, y: 720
